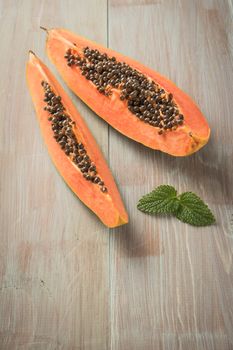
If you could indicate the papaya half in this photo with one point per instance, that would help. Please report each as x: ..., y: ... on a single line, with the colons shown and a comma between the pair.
x: 136, y: 100
x: 72, y: 147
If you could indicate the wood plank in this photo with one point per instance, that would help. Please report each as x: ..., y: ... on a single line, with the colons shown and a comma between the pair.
x: 171, y: 284
x: 54, y: 275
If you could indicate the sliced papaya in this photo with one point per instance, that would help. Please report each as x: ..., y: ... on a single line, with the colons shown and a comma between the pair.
x: 72, y: 147
x: 137, y: 101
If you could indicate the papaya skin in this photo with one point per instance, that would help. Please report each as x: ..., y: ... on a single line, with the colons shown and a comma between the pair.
x: 107, y: 206
x: 187, y: 139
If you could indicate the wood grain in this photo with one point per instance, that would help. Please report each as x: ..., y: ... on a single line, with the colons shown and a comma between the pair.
x: 171, y: 284
x: 68, y: 283
x: 54, y: 253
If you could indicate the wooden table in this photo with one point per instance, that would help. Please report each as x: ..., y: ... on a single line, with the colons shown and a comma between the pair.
x: 69, y: 283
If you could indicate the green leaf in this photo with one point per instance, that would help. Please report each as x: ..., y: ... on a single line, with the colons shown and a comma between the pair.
x: 193, y: 210
x: 162, y: 200
x: 187, y: 207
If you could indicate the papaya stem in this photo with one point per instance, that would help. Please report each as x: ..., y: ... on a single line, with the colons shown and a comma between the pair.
x: 44, y: 29
x: 33, y: 53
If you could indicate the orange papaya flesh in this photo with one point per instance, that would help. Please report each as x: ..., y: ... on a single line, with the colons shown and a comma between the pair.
x: 104, y: 200
x: 184, y: 140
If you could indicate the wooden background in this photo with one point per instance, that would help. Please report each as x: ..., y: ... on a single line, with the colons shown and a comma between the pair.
x: 66, y: 281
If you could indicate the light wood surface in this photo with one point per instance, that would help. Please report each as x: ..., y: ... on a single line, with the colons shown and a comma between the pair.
x: 67, y: 282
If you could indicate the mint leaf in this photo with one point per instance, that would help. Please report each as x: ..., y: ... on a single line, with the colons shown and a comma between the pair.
x: 193, y: 210
x: 162, y: 200
x: 187, y: 207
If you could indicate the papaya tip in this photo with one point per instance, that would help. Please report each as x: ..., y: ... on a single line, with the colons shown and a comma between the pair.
x: 45, y: 29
